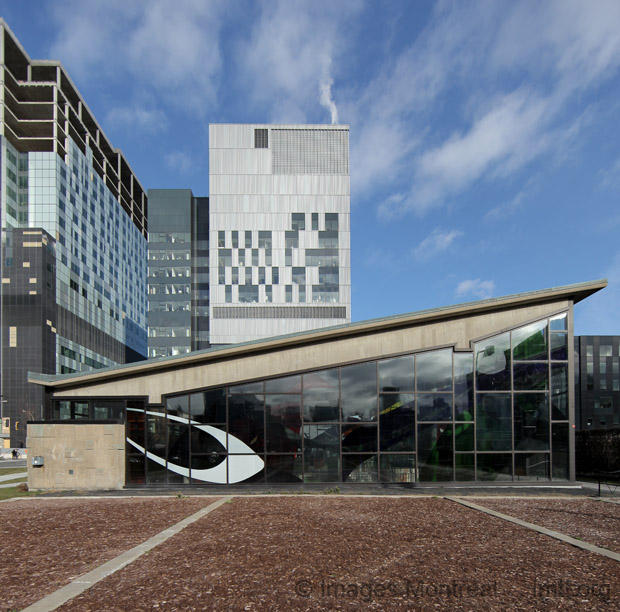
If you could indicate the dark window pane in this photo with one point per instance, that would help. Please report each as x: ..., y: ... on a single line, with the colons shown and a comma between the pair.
x: 283, y: 414
x: 156, y: 434
x: 321, y: 453
x: 178, y: 444
x: 493, y: 364
x: 204, y: 443
x: 245, y: 420
x: 559, y: 450
x: 358, y: 395
x: 359, y: 468
x: 464, y: 467
x: 398, y: 468
x: 321, y: 396
x: 397, y: 422
x: 435, y: 452
x: 493, y: 422
x: 256, y: 387
x: 136, y: 468
x: 531, y: 424
x: 208, y: 406
x: 178, y: 406
x: 531, y: 376
x: 530, y: 342
x: 108, y: 410
x: 464, y: 437
x: 283, y: 468
x: 559, y: 391
x: 494, y: 466
x: 136, y: 427
x: 290, y: 384
x: 434, y: 407
x: 396, y: 374
x: 80, y: 410
x: 559, y: 346
x: 531, y: 466
x: 463, y: 386
x: 434, y: 371
x: 359, y: 438
x: 155, y: 472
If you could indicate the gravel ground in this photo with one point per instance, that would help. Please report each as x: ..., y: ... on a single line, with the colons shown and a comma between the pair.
x: 590, y: 520
x: 47, y: 543
x: 330, y: 553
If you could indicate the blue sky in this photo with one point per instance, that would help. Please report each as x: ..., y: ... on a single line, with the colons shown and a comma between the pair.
x: 485, y: 136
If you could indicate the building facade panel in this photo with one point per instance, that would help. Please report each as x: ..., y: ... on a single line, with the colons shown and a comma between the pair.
x: 279, y: 229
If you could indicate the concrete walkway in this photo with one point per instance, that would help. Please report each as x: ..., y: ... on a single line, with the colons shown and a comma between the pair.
x: 13, y: 476
x: 81, y: 584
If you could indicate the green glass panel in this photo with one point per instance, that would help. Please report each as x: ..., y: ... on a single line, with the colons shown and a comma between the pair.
x: 493, y: 422
x: 530, y: 342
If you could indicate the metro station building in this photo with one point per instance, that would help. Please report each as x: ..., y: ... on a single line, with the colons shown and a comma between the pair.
x: 480, y: 391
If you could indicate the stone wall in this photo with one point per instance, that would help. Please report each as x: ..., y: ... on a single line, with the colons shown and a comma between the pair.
x: 76, y: 456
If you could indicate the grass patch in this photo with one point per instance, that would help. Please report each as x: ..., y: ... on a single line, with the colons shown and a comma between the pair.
x: 11, y: 492
x: 12, y: 470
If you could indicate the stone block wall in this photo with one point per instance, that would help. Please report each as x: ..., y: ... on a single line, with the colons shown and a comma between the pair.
x: 76, y: 456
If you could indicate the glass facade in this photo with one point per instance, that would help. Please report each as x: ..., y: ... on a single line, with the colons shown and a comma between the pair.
x: 433, y: 416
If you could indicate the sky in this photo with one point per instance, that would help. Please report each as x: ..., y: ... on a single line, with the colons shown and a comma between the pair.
x: 484, y: 135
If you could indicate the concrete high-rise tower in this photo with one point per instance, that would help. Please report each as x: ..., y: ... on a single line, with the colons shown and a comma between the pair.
x: 279, y: 235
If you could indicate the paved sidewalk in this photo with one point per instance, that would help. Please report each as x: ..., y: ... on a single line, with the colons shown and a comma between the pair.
x: 13, y: 476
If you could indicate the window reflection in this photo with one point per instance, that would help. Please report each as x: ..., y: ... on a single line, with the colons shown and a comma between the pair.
x: 434, y: 371
x: 321, y: 396
x: 358, y: 394
x: 396, y: 374
x: 530, y: 342
x: 493, y: 363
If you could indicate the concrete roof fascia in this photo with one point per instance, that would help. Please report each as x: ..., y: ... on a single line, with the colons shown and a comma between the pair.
x: 575, y: 292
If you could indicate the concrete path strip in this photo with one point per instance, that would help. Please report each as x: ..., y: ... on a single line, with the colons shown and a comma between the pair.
x: 81, y: 584
x: 553, y: 534
x: 13, y: 476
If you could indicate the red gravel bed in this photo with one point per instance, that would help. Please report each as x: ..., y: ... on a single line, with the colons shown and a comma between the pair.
x: 589, y: 520
x: 322, y: 553
x: 47, y: 543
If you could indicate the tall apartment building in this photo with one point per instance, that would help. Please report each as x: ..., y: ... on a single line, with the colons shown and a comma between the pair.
x: 279, y: 230
x: 74, y: 228
x: 597, y: 382
x: 178, y: 275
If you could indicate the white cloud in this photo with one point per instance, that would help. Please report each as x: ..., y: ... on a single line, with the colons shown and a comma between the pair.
x: 179, y: 161
x: 169, y: 47
x: 144, y: 119
x: 478, y: 288
x: 526, y: 63
x: 289, y: 56
x: 436, y: 242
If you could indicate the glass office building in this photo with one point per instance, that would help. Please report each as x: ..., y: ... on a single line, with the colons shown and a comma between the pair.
x: 597, y: 382
x: 66, y: 186
x: 178, y: 272
x: 473, y: 392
